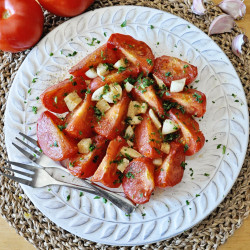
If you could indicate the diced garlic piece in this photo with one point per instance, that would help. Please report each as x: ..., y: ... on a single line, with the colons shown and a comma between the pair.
x: 103, y: 106
x: 144, y: 108
x: 91, y: 73
x: 154, y: 118
x: 120, y: 63
x: 83, y: 145
x: 128, y: 86
x: 97, y: 95
x: 134, y: 108
x: 129, y: 133
x: 114, y: 94
x: 177, y: 85
x: 122, y: 166
x: 159, y: 82
x: 165, y: 147
x: 130, y: 143
x: 136, y: 120
x: 157, y: 162
x: 130, y: 152
x: 169, y: 127
x: 102, y: 69
x: 72, y: 100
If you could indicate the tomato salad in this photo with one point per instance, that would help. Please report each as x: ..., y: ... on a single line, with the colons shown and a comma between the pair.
x: 129, y: 121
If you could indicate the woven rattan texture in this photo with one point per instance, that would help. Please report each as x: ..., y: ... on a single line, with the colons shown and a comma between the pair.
x: 210, y: 233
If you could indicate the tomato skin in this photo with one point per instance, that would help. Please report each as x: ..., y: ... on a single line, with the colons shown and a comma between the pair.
x: 107, y: 172
x: 22, y: 26
x: 80, y: 121
x: 137, y: 52
x: 138, y: 180
x: 66, y: 8
x: 112, y: 124
x: 101, y: 55
x: 48, y: 133
x: 85, y: 165
x: 171, y: 172
x: 192, y: 136
x: 150, y: 97
x: 97, y: 82
x: 58, y: 91
x: 147, y: 139
x: 188, y: 100
x: 178, y: 70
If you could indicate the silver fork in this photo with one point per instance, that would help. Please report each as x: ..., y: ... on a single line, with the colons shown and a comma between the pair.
x: 121, y: 202
x: 40, y: 178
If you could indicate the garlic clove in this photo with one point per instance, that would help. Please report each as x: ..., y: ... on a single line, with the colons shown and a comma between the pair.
x: 198, y: 7
x: 235, y: 8
x: 237, y: 43
x: 221, y: 24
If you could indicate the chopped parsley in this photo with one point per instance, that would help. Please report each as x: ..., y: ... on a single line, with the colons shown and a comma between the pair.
x: 121, y: 69
x: 183, y: 164
x: 97, y: 197
x: 198, y: 97
x: 151, y: 27
x: 81, y: 194
x: 149, y: 61
x: 51, y: 54
x: 185, y: 66
x: 96, y: 158
x: 93, y: 42
x: 185, y: 148
x: 130, y: 175
x: 34, y: 80
x: 224, y: 149
x: 34, y: 109
x: 197, y: 195
x: 92, y: 147
x: 167, y: 74
x: 61, y: 127
x: 98, y: 113
x: 68, y: 197
x: 206, y: 174
x: 187, y: 202
x: 218, y: 146
x: 73, y: 54
x: 124, y: 24
x: 105, y: 34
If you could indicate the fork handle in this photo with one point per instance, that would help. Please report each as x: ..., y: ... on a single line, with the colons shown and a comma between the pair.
x: 123, y: 203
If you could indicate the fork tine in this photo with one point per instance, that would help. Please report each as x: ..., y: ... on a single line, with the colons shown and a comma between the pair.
x: 21, y: 165
x: 19, y: 172
x: 28, y: 146
x: 29, y: 138
x: 27, y: 154
x: 20, y: 180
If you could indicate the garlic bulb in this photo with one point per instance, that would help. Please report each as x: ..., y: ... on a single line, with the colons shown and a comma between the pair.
x: 237, y: 42
x: 221, y: 24
x: 235, y: 8
x: 198, y: 7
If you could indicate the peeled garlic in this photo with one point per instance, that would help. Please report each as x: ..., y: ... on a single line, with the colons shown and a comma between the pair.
x: 221, y: 24
x: 234, y: 8
x: 198, y: 7
x: 237, y: 42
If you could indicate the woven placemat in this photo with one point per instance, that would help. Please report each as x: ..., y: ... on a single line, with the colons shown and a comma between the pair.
x: 210, y: 233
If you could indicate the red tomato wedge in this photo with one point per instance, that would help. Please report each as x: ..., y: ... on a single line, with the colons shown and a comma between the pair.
x: 193, y: 139
x: 53, y: 97
x: 112, y: 124
x: 101, y: 55
x: 169, y: 68
x: 81, y: 120
x: 193, y: 101
x: 147, y: 138
x: 114, y: 76
x: 150, y: 97
x: 138, y: 180
x: 171, y: 171
x: 107, y: 172
x: 85, y: 165
x: 53, y: 142
x: 137, y: 52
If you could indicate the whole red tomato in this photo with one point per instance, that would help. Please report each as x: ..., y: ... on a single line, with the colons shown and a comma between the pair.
x: 66, y: 8
x: 21, y: 24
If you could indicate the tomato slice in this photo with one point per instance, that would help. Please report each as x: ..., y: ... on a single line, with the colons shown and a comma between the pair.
x: 114, y: 76
x: 53, y: 142
x: 148, y: 95
x: 53, y: 97
x: 171, y: 171
x: 81, y: 120
x: 193, y: 101
x: 169, y: 68
x: 107, y: 172
x: 193, y: 139
x: 101, y: 55
x: 112, y: 123
x: 138, y: 180
x: 85, y: 165
x: 148, y: 139
x: 137, y: 52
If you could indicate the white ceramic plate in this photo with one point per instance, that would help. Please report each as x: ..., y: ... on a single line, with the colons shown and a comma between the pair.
x: 172, y: 210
